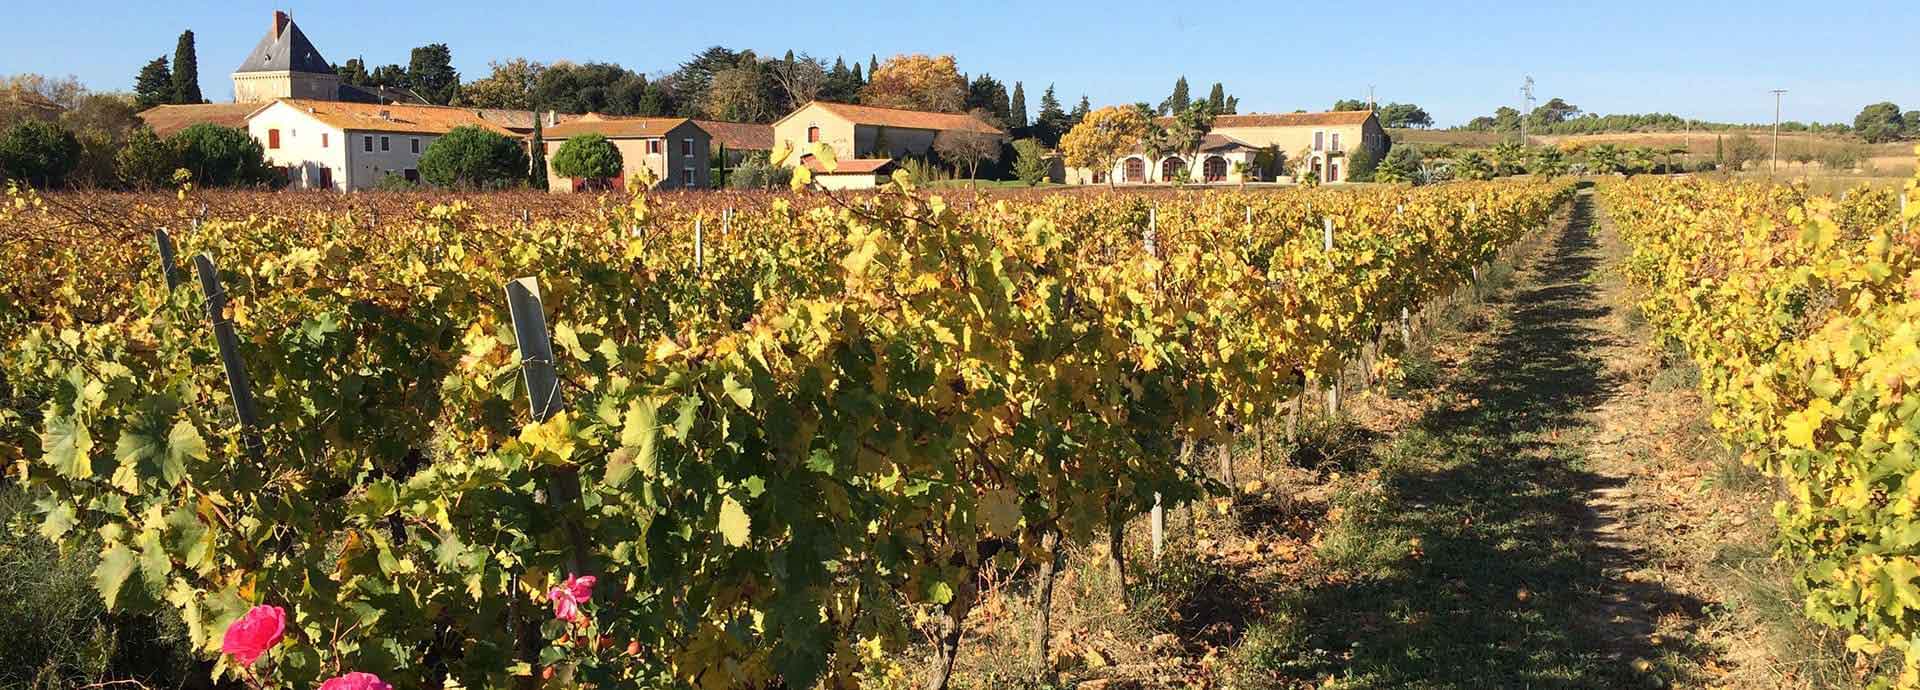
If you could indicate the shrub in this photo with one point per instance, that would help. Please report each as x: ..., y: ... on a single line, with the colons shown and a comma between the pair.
x: 147, y: 162
x: 1030, y: 161
x: 1842, y: 158
x: 1400, y: 165
x: 473, y: 158
x: 754, y: 172
x: 1361, y: 165
x: 219, y: 156
x: 588, y: 157
x: 57, y: 632
x: 38, y: 153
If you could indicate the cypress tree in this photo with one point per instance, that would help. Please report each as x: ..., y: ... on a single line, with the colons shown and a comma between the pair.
x: 873, y: 64
x: 1017, y: 107
x: 537, y: 162
x: 1052, y: 121
x: 1217, y: 99
x: 858, y: 81
x: 154, y: 86
x: 1079, y: 112
x: 186, y: 71
x: 1178, y: 102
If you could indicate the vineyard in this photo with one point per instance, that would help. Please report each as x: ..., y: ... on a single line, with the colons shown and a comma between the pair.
x: 753, y: 442
x: 1801, y: 312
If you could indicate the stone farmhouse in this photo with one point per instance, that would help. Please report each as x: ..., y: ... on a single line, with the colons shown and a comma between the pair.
x: 674, y: 150
x: 866, y: 140
x: 1231, y: 152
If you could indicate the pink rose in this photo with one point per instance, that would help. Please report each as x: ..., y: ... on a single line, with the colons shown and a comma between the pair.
x: 356, y: 681
x: 568, y: 597
x: 254, y: 634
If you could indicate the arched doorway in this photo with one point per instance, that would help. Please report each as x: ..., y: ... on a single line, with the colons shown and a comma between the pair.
x: 1215, y: 169
x: 1170, y: 168
x: 1136, y: 170
x: 1319, y: 172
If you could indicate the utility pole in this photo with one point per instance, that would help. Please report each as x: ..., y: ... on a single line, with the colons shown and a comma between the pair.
x: 1526, y: 93
x: 1774, y: 165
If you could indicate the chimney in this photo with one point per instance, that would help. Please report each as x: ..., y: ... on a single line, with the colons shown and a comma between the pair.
x: 553, y: 117
x: 386, y: 114
x: 280, y: 20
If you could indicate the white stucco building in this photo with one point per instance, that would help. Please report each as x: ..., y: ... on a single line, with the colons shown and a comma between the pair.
x: 346, y: 146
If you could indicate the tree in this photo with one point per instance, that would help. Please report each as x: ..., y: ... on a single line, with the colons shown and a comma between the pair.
x: 353, y: 73
x: 739, y: 94
x: 388, y: 76
x: 1361, y: 165
x: 510, y: 85
x: 102, y: 123
x: 1552, y: 112
x: 588, y: 157
x: 694, y: 79
x: 1188, y: 129
x: 967, y: 148
x: 1606, y: 159
x: 146, y: 162
x: 1177, y: 101
x: 1472, y: 166
x: 1052, y: 121
x: 1404, y: 115
x: 38, y: 152
x: 469, y: 157
x: 1879, y: 123
x: 1030, y: 161
x: 219, y: 156
x: 1217, y: 98
x: 800, y: 80
x: 1912, y: 119
x: 537, y: 153
x: 1105, y: 135
x: 597, y: 87
x: 1548, y: 162
x: 186, y: 71
x: 1348, y: 105
x: 154, y: 85
x: 917, y: 82
x: 1402, y: 164
x: 843, y: 84
x: 988, y: 95
x: 1079, y: 113
x: 431, y: 75
x: 1507, y: 158
x: 1017, y: 108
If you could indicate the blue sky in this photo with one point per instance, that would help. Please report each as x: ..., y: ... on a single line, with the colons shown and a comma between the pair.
x: 1712, y: 61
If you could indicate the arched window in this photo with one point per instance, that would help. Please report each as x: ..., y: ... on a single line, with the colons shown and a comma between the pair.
x: 1170, y: 168
x: 1215, y: 169
x: 1136, y: 170
x: 813, y: 134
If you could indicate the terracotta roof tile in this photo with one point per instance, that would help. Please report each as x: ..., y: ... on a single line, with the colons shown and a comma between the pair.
x: 1347, y: 117
x: 409, y: 119
x: 615, y: 127
x: 739, y: 136
x: 165, y: 120
x: 908, y: 119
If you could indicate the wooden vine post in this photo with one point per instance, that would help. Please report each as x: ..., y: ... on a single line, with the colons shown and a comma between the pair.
x: 237, y: 384
x: 1333, y: 386
x: 169, y: 270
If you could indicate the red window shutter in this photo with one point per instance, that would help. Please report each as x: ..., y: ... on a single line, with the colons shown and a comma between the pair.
x: 273, y: 138
x: 813, y: 134
x: 323, y: 140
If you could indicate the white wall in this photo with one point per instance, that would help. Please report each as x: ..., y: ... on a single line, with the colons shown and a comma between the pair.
x: 303, y: 148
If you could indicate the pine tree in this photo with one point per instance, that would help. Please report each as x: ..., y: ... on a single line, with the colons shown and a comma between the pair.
x: 186, y: 71
x: 858, y: 81
x: 1052, y: 122
x: 1178, y: 102
x: 1017, y: 108
x: 1217, y: 99
x: 873, y: 64
x: 1079, y: 112
x: 154, y: 86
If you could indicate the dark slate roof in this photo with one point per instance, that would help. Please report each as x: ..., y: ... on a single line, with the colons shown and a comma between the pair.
x: 377, y: 94
x: 284, y: 49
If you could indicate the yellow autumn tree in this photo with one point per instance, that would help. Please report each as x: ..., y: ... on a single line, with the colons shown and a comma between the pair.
x: 917, y: 82
x: 1103, y: 137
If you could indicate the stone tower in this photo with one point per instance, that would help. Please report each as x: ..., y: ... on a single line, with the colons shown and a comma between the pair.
x: 285, y: 65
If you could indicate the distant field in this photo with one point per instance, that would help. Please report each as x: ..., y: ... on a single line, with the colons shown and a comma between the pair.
x: 1891, y: 160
